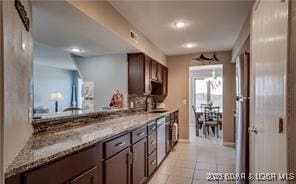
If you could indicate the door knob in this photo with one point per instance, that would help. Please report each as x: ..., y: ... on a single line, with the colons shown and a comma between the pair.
x: 252, y: 129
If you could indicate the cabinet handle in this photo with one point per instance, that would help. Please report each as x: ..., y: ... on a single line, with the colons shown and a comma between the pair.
x: 153, y: 142
x: 134, y: 155
x: 141, y: 134
x: 153, y: 162
x: 130, y: 158
x: 153, y: 128
x: 120, y: 144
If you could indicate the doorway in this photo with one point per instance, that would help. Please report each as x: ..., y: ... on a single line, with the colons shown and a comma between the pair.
x: 205, y: 90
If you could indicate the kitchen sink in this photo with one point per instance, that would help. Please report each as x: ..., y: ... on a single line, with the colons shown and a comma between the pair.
x: 159, y: 111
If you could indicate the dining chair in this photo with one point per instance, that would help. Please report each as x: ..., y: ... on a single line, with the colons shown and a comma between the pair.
x: 211, y: 120
x: 198, y: 120
x: 202, y: 106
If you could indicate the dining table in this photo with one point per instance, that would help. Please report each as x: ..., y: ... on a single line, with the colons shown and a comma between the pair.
x: 200, y: 112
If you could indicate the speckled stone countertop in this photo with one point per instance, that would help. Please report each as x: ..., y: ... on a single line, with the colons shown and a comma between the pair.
x: 43, y: 148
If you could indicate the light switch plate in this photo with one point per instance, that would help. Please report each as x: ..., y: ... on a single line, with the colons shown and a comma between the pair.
x: 184, y: 102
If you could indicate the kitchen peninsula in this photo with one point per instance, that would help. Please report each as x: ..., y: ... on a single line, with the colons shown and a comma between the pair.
x: 113, y: 150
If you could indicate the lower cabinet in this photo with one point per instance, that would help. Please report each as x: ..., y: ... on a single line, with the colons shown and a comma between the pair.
x: 89, y: 177
x: 139, y: 164
x: 128, y: 158
x: 64, y: 170
x: 152, y: 163
x: 117, y: 168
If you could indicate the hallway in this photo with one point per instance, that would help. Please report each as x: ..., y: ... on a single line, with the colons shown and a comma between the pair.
x: 190, y: 163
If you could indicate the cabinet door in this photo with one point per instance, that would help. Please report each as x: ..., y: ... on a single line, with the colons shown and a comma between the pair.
x: 89, y: 177
x: 139, y: 167
x: 154, y: 70
x: 136, y: 77
x: 165, y: 81
x: 117, y: 168
x: 159, y: 72
x: 147, y: 75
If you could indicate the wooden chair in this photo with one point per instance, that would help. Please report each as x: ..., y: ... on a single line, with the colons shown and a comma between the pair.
x: 198, y: 120
x: 211, y: 119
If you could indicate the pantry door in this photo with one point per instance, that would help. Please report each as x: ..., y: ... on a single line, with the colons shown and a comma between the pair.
x: 269, y: 56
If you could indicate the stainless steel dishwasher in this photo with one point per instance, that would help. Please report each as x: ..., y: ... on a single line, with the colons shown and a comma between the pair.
x: 160, y: 140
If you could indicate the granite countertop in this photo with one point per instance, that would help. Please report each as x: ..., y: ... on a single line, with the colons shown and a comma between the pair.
x: 46, y: 147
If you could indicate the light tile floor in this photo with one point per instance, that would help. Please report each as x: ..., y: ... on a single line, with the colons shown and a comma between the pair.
x: 189, y: 163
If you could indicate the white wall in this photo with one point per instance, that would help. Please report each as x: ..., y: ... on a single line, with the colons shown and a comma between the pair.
x: 53, y: 70
x: 49, y: 79
x: 17, y: 80
x: 53, y: 57
x: 103, y: 13
x: 108, y: 74
x: 241, y: 39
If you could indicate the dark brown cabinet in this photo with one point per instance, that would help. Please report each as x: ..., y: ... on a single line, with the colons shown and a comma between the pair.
x: 117, y: 168
x: 159, y: 72
x: 89, y: 177
x: 147, y: 74
x: 141, y: 71
x: 138, y: 74
x: 127, y: 158
x: 139, y: 164
x: 152, y: 163
x: 164, y: 81
x: 152, y: 142
x: 154, y: 67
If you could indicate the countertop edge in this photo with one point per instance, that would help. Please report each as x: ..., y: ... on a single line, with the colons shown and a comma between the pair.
x: 15, y: 170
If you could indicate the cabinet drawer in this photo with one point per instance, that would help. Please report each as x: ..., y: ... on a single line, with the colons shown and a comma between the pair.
x: 139, y: 134
x: 152, y: 142
x: 152, y: 163
x: 152, y: 127
x: 116, y: 145
x: 63, y: 170
x: 88, y: 177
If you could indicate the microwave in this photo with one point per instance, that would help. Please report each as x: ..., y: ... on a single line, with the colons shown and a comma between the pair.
x: 156, y: 88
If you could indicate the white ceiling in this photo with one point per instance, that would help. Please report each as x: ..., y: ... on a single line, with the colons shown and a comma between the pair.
x: 212, y: 25
x: 58, y: 24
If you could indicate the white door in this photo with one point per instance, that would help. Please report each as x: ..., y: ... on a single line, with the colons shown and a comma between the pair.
x: 269, y: 34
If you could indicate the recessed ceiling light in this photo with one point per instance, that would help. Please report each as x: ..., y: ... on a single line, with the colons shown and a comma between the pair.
x: 76, y: 50
x: 189, y: 45
x: 180, y: 24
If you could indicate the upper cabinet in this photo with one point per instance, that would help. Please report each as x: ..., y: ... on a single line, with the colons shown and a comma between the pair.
x: 141, y: 71
x: 159, y: 72
x: 164, y: 81
x: 154, y: 70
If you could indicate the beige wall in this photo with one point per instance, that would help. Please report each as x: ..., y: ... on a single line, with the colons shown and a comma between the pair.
x: 103, y: 13
x: 241, y: 39
x: 1, y: 98
x: 178, y: 67
x: 17, y: 81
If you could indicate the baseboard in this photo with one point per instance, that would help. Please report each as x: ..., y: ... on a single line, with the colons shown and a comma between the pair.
x: 184, y: 140
x: 229, y: 144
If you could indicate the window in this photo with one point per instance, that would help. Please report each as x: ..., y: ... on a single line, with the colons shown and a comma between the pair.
x: 200, y: 92
x: 203, y: 93
x: 216, y: 94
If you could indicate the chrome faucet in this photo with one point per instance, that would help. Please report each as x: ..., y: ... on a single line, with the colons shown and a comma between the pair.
x: 153, y: 102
